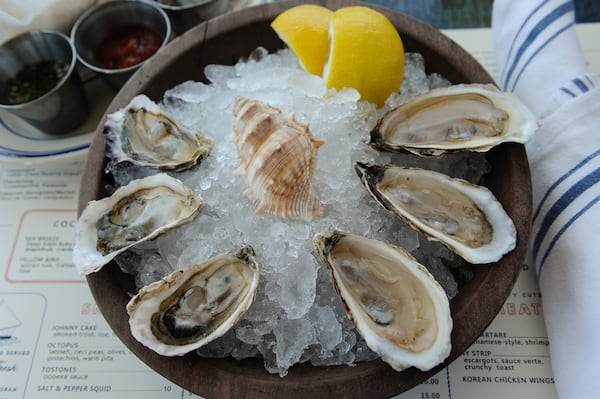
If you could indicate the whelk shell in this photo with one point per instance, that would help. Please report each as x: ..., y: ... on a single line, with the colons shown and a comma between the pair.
x: 278, y: 156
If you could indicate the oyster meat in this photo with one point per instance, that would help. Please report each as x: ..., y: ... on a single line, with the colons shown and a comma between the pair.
x: 191, y: 307
x: 397, y: 306
x: 144, y: 134
x: 471, y: 117
x: 139, y: 211
x: 465, y: 217
x: 278, y: 156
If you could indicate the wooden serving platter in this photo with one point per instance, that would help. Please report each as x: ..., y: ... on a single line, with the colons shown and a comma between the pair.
x: 223, y: 40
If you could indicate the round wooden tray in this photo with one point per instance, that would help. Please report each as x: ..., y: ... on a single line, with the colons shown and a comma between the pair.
x: 222, y: 41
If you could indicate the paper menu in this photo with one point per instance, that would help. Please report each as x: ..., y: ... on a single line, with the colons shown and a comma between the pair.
x: 55, y: 344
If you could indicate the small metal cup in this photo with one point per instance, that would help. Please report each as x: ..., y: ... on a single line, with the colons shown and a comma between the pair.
x: 186, y: 14
x: 98, y: 23
x: 64, y: 107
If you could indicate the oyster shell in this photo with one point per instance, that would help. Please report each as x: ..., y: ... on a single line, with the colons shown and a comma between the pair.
x: 191, y: 307
x: 139, y: 211
x: 397, y: 306
x: 471, y: 117
x: 146, y: 135
x: 465, y: 217
x: 278, y: 156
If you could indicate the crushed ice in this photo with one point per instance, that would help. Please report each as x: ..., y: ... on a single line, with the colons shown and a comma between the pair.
x: 297, y: 316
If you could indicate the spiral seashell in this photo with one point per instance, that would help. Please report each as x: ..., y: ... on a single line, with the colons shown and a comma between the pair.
x: 278, y: 156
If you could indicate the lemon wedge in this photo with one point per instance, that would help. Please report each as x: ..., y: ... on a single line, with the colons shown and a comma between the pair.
x: 354, y: 47
x: 304, y: 29
x: 365, y: 53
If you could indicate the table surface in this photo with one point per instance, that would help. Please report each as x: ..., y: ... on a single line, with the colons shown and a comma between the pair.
x: 460, y: 14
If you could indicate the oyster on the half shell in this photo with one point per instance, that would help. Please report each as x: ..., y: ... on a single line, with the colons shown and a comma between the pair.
x: 193, y: 306
x: 471, y: 117
x: 139, y: 211
x: 146, y: 135
x: 397, y: 306
x: 465, y: 217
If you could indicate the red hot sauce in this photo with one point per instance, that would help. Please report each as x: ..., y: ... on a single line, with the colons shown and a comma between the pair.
x: 127, y: 47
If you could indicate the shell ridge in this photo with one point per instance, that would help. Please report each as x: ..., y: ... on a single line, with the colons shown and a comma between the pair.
x: 279, y: 168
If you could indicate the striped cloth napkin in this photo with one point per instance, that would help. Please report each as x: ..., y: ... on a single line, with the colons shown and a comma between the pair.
x: 540, y: 59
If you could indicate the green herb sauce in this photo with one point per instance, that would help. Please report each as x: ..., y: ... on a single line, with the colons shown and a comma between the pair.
x: 34, y: 81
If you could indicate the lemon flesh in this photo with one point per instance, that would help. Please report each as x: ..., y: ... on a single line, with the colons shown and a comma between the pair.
x: 365, y: 52
x: 304, y: 29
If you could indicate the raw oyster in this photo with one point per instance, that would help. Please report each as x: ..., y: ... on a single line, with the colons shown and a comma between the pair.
x: 191, y: 307
x: 465, y: 217
x: 471, y: 117
x: 278, y: 156
x: 146, y: 135
x: 139, y: 211
x: 397, y: 306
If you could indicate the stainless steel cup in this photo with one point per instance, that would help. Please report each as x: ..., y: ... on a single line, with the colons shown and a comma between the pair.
x: 98, y: 23
x: 64, y: 107
x: 186, y: 14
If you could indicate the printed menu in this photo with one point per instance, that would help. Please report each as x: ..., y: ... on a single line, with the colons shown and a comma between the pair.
x: 54, y: 343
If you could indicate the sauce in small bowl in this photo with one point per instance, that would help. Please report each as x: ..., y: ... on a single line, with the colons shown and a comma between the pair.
x: 127, y: 47
x: 40, y: 84
x: 115, y: 38
x: 35, y: 80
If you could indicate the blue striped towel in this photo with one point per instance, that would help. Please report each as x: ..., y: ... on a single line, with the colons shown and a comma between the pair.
x: 540, y: 59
